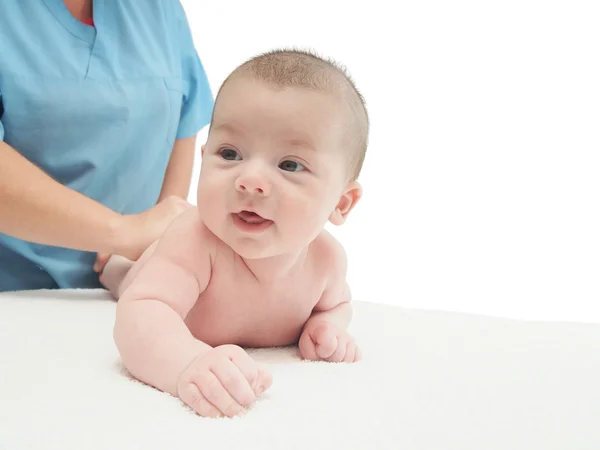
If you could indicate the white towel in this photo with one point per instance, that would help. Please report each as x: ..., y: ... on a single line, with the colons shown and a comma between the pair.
x: 429, y: 380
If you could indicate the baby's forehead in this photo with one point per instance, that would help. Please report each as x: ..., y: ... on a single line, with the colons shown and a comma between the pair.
x: 287, y: 133
x: 242, y: 102
x: 251, y: 86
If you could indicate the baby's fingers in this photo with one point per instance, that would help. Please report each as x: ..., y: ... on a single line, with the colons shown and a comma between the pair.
x: 327, y: 345
x: 350, y: 352
x: 234, y: 382
x: 307, y: 348
x: 264, y: 382
x: 214, y: 391
x: 339, y: 353
x: 353, y: 353
x: 191, y: 395
x: 358, y: 355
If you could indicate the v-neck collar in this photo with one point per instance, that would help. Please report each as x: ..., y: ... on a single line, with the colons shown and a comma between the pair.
x: 71, y: 24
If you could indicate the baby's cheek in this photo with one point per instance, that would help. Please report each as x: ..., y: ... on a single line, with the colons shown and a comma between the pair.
x: 313, y: 217
x: 207, y: 194
x: 303, y: 206
x: 207, y: 187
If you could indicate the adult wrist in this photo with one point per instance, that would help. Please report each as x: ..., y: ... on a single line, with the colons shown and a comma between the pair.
x: 119, y: 230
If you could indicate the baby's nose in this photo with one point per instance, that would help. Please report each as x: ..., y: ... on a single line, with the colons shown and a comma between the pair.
x: 254, y: 185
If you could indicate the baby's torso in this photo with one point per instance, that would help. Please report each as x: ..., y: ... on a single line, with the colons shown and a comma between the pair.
x: 236, y: 309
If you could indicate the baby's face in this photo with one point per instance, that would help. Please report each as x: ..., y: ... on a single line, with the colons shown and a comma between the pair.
x: 273, y: 169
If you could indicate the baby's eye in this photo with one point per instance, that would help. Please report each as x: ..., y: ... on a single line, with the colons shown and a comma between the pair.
x: 230, y: 155
x: 291, y: 166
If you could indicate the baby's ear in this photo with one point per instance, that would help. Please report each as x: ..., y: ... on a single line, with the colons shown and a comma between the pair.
x: 350, y: 197
x: 202, y: 149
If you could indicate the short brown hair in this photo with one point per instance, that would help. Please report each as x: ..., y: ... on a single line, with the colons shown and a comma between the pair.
x: 302, y: 68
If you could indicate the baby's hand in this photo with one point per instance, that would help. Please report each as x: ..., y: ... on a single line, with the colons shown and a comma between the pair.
x: 322, y: 341
x: 222, y: 382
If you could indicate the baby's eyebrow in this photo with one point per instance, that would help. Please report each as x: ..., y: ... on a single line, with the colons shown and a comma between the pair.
x: 226, y: 127
x: 298, y: 142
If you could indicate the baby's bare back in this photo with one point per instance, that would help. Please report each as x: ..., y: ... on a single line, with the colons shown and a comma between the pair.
x: 236, y: 308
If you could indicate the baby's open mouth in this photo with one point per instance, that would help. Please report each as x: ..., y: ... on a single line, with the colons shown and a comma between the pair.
x: 251, y: 222
x: 251, y: 217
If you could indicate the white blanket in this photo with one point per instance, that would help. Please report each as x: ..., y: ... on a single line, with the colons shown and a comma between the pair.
x: 429, y: 380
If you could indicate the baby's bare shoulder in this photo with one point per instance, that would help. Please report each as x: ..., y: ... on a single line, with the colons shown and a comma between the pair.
x: 188, y: 236
x: 332, y: 263
x: 329, y: 254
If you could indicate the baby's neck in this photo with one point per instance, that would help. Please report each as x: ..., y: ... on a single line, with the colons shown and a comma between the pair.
x: 275, y: 268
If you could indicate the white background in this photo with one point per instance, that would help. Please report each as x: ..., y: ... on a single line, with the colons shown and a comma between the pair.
x: 482, y: 178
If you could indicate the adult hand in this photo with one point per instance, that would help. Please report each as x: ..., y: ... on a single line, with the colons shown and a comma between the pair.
x: 136, y: 232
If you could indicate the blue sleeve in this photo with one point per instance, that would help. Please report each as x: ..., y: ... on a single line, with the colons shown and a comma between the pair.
x: 198, y: 99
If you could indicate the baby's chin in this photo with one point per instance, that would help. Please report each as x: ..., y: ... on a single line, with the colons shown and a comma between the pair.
x: 255, y: 250
x: 247, y: 247
x: 258, y: 246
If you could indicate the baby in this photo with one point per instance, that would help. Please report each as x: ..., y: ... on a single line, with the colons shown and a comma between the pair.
x: 251, y: 265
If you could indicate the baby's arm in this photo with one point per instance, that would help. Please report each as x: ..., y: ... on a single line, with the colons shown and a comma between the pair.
x: 325, y: 335
x: 155, y: 344
x: 334, y: 305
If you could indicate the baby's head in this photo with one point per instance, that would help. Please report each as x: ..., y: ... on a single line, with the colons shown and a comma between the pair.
x: 285, y: 147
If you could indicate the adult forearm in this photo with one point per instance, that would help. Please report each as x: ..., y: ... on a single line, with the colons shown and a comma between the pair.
x: 179, y: 171
x: 36, y: 208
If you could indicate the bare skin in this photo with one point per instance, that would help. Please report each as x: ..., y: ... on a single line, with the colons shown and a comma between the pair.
x: 80, y: 9
x: 253, y: 311
x: 305, y: 303
x: 251, y: 266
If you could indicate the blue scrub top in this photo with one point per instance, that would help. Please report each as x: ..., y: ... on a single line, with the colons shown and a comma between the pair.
x: 98, y: 109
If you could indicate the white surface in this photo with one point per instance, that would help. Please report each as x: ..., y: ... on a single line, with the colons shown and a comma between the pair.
x: 429, y: 380
x: 481, y: 180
